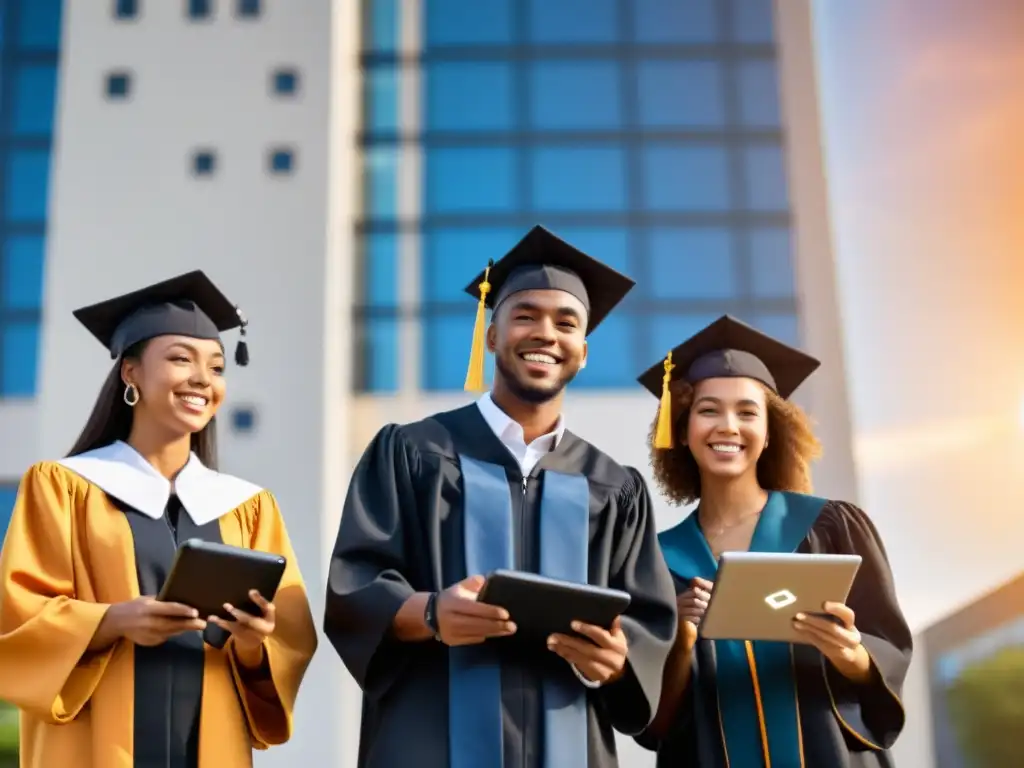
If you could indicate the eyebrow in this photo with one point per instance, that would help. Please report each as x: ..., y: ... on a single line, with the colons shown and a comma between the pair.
x: 192, y: 349
x: 563, y: 310
x: 718, y: 401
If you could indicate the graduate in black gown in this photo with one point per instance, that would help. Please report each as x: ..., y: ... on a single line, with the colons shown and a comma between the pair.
x: 727, y: 437
x: 105, y: 675
x: 435, y: 505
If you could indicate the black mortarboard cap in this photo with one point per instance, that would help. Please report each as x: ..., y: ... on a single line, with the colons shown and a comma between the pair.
x: 186, y: 305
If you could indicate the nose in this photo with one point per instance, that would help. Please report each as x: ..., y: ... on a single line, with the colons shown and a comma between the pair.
x: 200, y: 377
x: 543, y: 330
x: 728, y: 424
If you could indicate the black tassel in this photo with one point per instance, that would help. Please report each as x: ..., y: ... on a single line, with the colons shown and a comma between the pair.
x: 242, y: 348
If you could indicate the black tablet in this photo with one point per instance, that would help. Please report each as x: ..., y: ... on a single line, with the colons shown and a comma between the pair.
x: 205, y: 575
x: 541, y: 606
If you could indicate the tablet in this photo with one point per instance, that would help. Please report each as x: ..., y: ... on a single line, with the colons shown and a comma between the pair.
x: 541, y: 606
x: 205, y: 575
x: 757, y: 594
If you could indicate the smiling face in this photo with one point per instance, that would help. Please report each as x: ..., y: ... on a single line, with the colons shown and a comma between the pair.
x: 539, y: 343
x: 728, y: 426
x: 180, y: 382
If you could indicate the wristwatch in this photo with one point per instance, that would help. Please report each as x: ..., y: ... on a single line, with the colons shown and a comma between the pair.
x: 430, y: 615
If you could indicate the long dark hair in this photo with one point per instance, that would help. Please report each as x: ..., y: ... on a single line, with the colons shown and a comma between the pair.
x: 111, y: 418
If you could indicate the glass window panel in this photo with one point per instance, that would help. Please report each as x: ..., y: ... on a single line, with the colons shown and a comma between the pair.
x: 678, y: 178
x: 248, y: 8
x: 579, y: 179
x: 668, y: 330
x: 19, y: 346
x: 383, y: 21
x: 784, y: 327
x: 574, y: 21
x: 8, y: 496
x: 691, y: 263
x: 614, y: 339
x: 681, y: 93
x: 469, y: 96
x: 766, y: 179
x: 39, y: 24
x: 753, y: 21
x: 579, y: 95
x: 682, y: 21
x: 771, y: 262
x: 471, y: 180
x: 35, y: 88
x: 380, y: 270
x: 447, y: 339
x: 381, y: 169
x: 198, y: 9
x: 480, y: 22
x: 28, y: 181
x: 452, y: 257
x: 23, y: 257
x: 380, y: 354
x: 607, y: 244
x: 381, y: 88
x: 124, y: 9
x: 759, y: 94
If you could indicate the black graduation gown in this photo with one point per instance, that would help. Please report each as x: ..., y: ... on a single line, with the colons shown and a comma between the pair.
x: 813, y: 716
x: 402, y: 531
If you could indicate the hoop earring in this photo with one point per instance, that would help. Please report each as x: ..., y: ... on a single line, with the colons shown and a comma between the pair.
x: 133, y: 391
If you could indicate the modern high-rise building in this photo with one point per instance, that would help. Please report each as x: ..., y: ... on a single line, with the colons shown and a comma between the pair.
x: 342, y: 169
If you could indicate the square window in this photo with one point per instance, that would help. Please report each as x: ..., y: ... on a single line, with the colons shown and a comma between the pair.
x: 8, y: 497
x: 446, y: 342
x: 575, y: 95
x: 119, y: 85
x: 691, y: 263
x: 767, y: 189
x: 681, y: 94
x: 282, y: 161
x: 753, y: 21
x: 380, y: 91
x: 452, y: 257
x: 19, y: 352
x: 609, y: 245
x: 471, y: 180
x: 198, y: 9
x: 35, y: 91
x: 615, y: 337
x: 28, y: 185
x: 39, y: 24
x: 243, y: 419
x: 285, y: 81
x: 381, y: 25
x: 759, y: 94
x: 380, y: 270
x: 667, y: 330
x: 771, y: 263
x: 126, y: 9
x: 376, y: 342
x: 685, y: 178
x: 380, y: 175
x: 573, y: 21
x: 783, y: 326
x: 579, y: 179
x: 469, y: 96
x: 248, y: 9
x: 22, y: 272
x: 480, y: 22
x: 686, y: 21
x: 204, y: 162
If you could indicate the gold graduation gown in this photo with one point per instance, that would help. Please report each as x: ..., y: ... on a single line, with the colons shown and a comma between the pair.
x: 85, y: 533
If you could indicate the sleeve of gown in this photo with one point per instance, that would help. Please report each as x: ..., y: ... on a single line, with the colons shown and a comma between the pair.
x: 269, y: 708
x: 366, y: 583
x: 639, y: 568
x: 871, y: 714
x: 45, y: 666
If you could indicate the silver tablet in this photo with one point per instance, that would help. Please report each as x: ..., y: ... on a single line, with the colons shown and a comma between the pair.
x: 757, y: 594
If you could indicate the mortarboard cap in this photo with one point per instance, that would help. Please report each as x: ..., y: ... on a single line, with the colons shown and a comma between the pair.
x: 186, y: 305
x: 726, y: 348
x: 543, y: 261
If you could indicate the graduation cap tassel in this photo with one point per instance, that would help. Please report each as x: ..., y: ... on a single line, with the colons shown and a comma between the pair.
x: 663, y: 437
x: 242, y: 348
x: 475, y: 374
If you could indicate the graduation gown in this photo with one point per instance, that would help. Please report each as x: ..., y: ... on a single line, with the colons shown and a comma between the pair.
x: 102, y: 528
x: 404, y: 529
x: 744, y: 699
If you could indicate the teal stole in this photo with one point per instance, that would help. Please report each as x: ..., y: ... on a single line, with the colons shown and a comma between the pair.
x: 757, y: 696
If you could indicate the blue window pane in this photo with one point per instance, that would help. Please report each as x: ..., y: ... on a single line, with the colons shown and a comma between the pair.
x: 471, y: 180
x: 381, y: 169
x: 683, y: 21
x: 784, y: 327
x: 580, y: 95
x: 248, y: 8
x: 681, y: 93
x: 125, y: 9
x: 39, y: 26
x: 204, y: 163
x: 381, y: 90
x: 692, y: 263
x: 452, y: 257
x: 285, y: 82
x: 8, y: 496
x: 607, y: 244
x: 35, y: 88
x: 118, y: 85
x: 574, y: 21
x: 19, y: 347
x: 198, y: 9
x: 380, y: 270
x: 23, y: 257
x: 669, y: 330
x: 766, y: 179
x: 759, y: 94
x: 446, y: 344
x: 28, y: 183
x: 579, y: 179
x: 685, y: 178
x: 464, y: 96
x: 243, y: 419
x: 480, y: 22
x: 606, y: 346
x: 282, y: 161
x: 383, y: 21
x: 381, y: 354
x: 771, y: 261
x: 753, y: 21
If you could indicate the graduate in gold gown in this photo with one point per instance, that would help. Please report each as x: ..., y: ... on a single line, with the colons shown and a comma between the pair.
x: 106, y: 676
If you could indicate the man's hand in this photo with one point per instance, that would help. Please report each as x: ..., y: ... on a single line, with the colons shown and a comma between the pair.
x: 461, y: 620
x: 600, y: 655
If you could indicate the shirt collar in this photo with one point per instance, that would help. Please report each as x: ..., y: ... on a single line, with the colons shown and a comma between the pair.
x: 506, y: 428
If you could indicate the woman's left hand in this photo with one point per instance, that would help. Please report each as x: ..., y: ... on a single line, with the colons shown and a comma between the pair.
x: 249, y: 631
x: 837, y: 637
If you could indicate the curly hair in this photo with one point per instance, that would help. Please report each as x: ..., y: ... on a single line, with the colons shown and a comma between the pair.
x: 785, y: 465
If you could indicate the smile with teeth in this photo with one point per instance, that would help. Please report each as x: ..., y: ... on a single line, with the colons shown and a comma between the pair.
x: 539, y: 357
x: 726, y: 447
x: 197, y: 401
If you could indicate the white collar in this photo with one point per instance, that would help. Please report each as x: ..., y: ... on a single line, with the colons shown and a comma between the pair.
x: 506, y: 428
x: 125, y: 475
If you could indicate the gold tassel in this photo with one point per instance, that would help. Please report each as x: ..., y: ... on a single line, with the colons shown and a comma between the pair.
x: 475, y: 374
x: 663, y: 437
